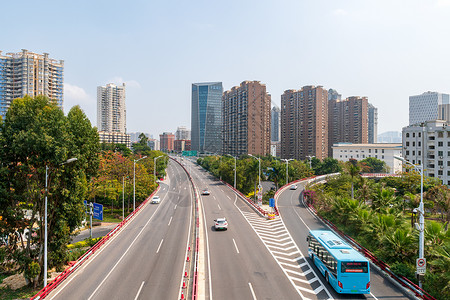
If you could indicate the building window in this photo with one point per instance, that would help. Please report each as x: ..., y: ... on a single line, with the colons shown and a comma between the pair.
x: 382, y: 150
x: 440, y: 172
x: 420, y: 134
x: 440, y: 163
x: 370, y: 150
x: 440, y: 153
x: 376, y: 150
x: 382, y: 156
x: 407, y: 152
x: 407, y: 144
x: 440, y: 134
x: 414, y: 134
x: 414, y: 144
x: 407, y: 134
x: 419, y: 152
x: 419, y: 162
x: 440, y: 144
x: 414, y: 152
x: 418, y: 144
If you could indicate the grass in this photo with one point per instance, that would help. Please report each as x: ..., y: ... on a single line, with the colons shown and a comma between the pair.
x: 23, y: 293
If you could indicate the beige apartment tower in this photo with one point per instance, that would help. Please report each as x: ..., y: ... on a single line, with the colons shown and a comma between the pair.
x: 304, y: 123
x: 111, y: 111
x: 348, y: 121
x: 246, y: 119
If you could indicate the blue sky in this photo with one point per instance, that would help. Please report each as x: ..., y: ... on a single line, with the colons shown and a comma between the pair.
x: 385, y: 50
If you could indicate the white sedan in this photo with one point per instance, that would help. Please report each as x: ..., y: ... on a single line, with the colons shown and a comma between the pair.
x: 293, y: 187
x: 156, y: 200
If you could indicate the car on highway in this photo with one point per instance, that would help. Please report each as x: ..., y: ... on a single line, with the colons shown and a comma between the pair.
x: 221, y: 224
x: 156, y: 200
x: 206, y: 192
x: 293, y: 187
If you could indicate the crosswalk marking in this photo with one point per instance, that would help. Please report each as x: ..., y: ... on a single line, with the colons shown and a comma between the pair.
x: 280, y: 244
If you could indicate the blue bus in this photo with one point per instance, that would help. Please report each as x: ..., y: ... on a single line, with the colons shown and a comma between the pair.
x: 344, y: 268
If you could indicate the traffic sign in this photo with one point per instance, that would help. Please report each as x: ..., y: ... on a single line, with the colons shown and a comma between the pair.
x: 421, y: 265
x: 272, y: 202
x: 98, y: 211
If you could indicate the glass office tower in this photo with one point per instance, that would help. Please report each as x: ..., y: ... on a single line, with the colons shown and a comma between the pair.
x: 206, y: 117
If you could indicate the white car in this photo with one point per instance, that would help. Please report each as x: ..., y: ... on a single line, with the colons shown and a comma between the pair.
x: 221, y: 224
x: 206, y: 192
x: 156, y: 200
x: 293, y: 187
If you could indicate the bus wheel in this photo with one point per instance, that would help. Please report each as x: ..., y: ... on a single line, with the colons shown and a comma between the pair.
x: 312, y: 258
x: 327, y: 277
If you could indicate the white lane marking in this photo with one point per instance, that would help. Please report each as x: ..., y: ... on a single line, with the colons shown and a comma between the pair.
x: 170, y: 221
x: 237, y: 250
x: 139, y: 291
x: 126, y: 251
x: 302, y: 219
x: 175, y: 207
x: 214, y: 197
x: 207, y: 250
x: 251, y: 290
x: 72, y: 277
x: 159, y: 245
x: 219, y: 206
x: 373, y: 295
x: 228, y: 197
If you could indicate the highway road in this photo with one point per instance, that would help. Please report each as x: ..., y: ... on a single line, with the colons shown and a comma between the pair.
x: 146, y: 260
x: 240, y: 264
x: 299, y: 221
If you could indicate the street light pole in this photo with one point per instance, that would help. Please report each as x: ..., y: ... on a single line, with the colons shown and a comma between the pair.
x: 154, y: 167
x: 287, y: 162
x: 421, y: 227
x: 45, y: 217
x: 134, y: 181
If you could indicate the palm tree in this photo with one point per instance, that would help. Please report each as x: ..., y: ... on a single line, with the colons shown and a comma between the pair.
x: 353, y: 169
x: 398, y: 245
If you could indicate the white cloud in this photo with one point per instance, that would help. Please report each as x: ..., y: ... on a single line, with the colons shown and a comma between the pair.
x: 119, y: 80
x: 75, y: 95
x: 340, y: 12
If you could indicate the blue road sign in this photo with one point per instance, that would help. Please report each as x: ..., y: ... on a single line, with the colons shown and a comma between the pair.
x: 98, y: 211
x: 272, y: 202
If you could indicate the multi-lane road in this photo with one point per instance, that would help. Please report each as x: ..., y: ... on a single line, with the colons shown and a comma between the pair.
x: 255, y: 258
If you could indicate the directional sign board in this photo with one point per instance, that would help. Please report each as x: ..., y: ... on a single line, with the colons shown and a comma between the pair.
x: 98, y: 211
x: 272, y: 202
x: 421, y: 265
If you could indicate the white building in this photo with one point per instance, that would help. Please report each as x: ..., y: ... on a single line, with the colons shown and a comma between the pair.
x: 111, y: 111
x: 429, y: 143
x: 182, y: 133
x: 424, y: 107
x: 385, y: 152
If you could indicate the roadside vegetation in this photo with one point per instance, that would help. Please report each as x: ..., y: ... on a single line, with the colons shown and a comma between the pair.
x: 35, y: 137
x: 379, y: 214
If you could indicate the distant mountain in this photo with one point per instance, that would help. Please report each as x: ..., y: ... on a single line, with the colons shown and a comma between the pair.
x: 390, y: 137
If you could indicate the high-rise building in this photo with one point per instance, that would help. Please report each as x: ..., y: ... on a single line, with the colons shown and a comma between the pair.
x: 333, y: 95
x: 275, y: 130
x: 424, y: 107
x: 304, y: 123
x: 390, y: 137
x: 444, y: 112
x: 428, y: 144
x: 182, y: 133
x: 111, y: 111
x: 246, y: 119
x: 206, y: 117
x: 166, y: 141
x: 28, y: 73
x: 373, y: 124
x: 348, y: 121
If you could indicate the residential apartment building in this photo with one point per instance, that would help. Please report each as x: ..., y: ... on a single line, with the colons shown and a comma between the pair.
x: 348, y: 121
x: 182, y: 133
x: 424, y: 107
x: 111, y: 111
x: 182, y: 145
x: 304, y: 123
x: 246, y: 119
x: 429, y: 144
x: 206, y: 117
x: 166, y: 141
x: 275, y: 130
x: 373, y: 124
x: 28, y: 73
x: 153, y: 144
x: 385, y: 152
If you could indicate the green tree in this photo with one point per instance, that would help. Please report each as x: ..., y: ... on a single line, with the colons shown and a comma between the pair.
x: 329, y: 166
x: 375, y: 165
x: 353, y: 169
x: 36, y: 135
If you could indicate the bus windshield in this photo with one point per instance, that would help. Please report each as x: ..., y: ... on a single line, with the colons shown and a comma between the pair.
x: 354, y: 267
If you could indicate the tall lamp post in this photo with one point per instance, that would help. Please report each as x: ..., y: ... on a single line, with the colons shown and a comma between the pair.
x: 310, y: 158
x: 134, y: 181
x: 45, y: 217
x: 421, y: 211
x: 154, y: 167
x: 234, y: 168
x: 287, y: 162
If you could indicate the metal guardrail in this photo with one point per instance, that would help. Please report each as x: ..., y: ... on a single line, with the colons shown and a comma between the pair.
x: 61, y: 277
